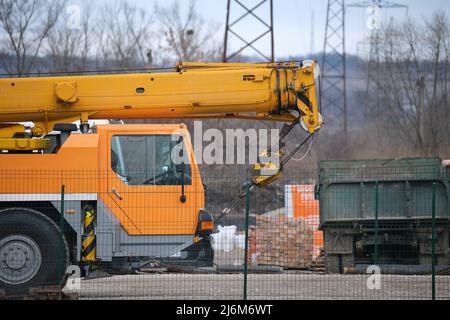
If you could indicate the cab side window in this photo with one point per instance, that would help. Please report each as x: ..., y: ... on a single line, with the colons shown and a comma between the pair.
x: 146, y: 160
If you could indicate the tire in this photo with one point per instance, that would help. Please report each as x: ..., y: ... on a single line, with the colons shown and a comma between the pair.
x: 32, y: 252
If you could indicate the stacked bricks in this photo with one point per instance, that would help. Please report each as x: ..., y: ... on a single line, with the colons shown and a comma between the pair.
x: 282, y: 241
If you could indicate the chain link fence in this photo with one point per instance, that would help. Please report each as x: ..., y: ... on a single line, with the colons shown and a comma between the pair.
x: 347, y: 231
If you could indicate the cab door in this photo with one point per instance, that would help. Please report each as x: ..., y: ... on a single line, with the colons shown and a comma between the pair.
x: 147, y: 186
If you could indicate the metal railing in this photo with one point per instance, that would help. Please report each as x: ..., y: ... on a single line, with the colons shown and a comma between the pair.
x: 298, y: 239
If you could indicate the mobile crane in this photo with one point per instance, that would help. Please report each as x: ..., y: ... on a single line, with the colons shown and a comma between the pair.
x: 125, y: 201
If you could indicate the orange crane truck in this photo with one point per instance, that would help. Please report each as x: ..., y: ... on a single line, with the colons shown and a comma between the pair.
x: 125, y: 201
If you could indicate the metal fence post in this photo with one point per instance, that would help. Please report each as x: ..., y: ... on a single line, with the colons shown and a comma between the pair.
x: 433, y: 243
x: 60, y: 270
x: 376, y: 254
x: 247, y: 225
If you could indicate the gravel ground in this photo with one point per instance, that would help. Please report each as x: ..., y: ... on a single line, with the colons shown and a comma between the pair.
x: 286, y: 286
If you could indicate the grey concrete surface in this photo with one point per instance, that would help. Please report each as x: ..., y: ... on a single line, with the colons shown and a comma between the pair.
x: 286, y: 286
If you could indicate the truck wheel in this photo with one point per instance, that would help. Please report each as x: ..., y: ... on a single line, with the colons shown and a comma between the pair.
x: 32, y: 253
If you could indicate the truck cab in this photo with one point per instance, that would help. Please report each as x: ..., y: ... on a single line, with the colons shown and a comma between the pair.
x: 121, y: 196
x: 152, y: 188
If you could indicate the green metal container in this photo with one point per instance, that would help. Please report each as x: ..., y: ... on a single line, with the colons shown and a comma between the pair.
x: 347, y: 190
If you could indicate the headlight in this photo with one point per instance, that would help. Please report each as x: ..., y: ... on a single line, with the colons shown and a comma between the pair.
x: 205, y: 223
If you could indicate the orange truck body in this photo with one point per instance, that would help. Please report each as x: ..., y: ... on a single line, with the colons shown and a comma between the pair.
x: 83, y: 167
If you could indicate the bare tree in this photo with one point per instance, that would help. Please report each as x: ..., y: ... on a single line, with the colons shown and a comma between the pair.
x: 435, y: 40
x: 186, y: 37
x: 124, y: 36
x: 412, y: 86
x: 69, y: 42
x: 26, y: 25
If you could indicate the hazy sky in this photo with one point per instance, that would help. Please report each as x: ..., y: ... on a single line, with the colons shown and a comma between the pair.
x: 294, y: 20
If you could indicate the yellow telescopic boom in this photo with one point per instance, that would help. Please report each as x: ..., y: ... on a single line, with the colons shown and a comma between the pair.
x: 277, y: 92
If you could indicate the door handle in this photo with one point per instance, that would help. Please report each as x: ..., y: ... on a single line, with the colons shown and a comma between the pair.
x: 116, y: 193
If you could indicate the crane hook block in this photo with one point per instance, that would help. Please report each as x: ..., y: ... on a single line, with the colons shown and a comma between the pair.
x: 66, y: 92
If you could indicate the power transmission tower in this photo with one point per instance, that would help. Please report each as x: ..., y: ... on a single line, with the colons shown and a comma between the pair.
x: 333, y: 82
x: 233, y: 30
x: 374, y: 24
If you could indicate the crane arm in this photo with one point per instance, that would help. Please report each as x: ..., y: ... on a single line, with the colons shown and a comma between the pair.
x: 285, y: 92
x: 275, y: 92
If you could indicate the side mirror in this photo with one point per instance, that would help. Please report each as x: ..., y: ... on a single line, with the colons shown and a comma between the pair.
x: 181, y: 168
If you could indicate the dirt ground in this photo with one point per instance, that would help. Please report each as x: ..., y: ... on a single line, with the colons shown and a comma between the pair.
x: 285, y: 286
